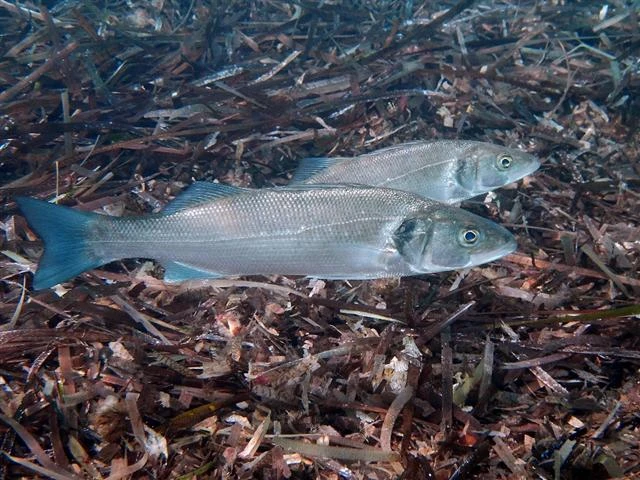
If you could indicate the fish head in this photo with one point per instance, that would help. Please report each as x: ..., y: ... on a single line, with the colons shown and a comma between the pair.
x: 450, y: 239
x: 485, y: 167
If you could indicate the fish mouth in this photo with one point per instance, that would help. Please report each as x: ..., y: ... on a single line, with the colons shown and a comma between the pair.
x: 515, y: 176
x: 496, y: 254
x: 525, y: 168
x: 532, y: 167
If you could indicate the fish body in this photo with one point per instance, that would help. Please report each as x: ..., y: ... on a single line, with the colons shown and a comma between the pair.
x: 448, y: 171
x: 212, y: 230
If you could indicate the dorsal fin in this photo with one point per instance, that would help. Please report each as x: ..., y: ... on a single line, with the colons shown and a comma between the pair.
x: 198, y: 193
x: 308, y: 167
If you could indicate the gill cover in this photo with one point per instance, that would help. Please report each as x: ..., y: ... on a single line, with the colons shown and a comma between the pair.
x: 411, y: 239
x: 467, y: 173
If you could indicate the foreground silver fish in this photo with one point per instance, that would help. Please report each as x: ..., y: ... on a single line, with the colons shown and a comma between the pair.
x: 448, y: 171
x: 212, y: 230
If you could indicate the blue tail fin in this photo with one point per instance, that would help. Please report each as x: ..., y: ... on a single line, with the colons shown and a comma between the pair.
x: 64, y: 232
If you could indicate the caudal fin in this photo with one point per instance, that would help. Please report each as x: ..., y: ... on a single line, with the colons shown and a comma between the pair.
x: 64, y: 232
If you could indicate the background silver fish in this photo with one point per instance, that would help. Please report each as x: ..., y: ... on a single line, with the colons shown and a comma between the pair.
x: 448, y: 171
x: 212, y: 230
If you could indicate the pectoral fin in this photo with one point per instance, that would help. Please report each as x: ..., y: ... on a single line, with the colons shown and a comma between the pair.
x: 365, y: 262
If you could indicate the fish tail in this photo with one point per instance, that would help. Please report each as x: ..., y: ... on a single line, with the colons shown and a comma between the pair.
x: 64, y: 232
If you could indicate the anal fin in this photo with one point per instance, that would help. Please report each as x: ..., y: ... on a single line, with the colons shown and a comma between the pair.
x: 177, y: 272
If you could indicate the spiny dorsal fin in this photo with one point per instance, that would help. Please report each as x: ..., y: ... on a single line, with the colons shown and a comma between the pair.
x: 198, y: 193
x: 308, y: 167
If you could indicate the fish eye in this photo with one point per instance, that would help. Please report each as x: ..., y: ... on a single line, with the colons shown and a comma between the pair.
x: 469, y: 236
x: 504, y: 161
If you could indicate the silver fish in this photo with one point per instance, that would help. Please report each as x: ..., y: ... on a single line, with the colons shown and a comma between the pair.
x: 213, y: 230
x: 448, y: 171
